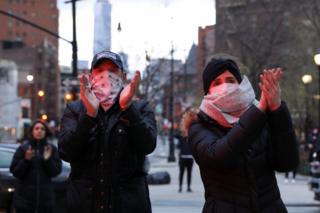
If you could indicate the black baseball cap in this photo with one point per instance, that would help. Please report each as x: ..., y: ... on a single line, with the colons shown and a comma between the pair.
x: 108, y: 55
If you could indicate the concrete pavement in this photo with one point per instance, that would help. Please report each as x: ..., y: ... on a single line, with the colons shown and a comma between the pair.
x: 166, y: 199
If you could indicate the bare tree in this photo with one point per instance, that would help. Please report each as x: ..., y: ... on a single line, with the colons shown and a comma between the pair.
x: 148, y: 80
x: 254, y: 37
x: 312, y: 13
x: 273, y: 33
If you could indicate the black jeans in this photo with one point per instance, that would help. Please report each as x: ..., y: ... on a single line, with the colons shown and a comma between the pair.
x: 185, y: 163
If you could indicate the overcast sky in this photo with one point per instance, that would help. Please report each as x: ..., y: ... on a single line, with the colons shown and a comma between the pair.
x: 147, y: 25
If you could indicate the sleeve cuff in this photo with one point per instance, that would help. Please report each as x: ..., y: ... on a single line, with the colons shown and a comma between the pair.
x: 280, y: 117
x: 253, y: 119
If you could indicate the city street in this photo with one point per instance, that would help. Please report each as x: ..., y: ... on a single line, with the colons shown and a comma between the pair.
x: 106, y: 80
x: 166, y: 199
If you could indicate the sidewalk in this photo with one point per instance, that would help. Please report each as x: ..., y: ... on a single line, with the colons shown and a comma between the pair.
x: 166, y: 199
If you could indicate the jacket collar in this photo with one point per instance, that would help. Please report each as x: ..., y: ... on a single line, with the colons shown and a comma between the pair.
x: 34, y: 142
x: 210, y: 122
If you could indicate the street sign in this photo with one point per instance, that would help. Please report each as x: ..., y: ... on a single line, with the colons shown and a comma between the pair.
x: 70, y: 82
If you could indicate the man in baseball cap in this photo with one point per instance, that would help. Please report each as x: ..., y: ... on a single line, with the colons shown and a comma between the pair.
x: 106, y: 136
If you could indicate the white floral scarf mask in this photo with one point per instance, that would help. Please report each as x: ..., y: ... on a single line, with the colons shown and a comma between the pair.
x: 229, y: 102
x: 106, y: 86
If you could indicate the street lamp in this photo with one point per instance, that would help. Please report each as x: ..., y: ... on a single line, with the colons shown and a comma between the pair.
x: 29, y: 78
x: 68, y: 97
x: 317, y: 62
x: 41, y: 93
x: 306, y: 79
x: 44, y: 117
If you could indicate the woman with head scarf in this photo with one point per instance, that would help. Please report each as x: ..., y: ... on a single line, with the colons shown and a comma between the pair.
x: 239, y: 143
x: 34, y: 163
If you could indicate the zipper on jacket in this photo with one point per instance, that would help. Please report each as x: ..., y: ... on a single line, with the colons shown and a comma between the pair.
x: 38, y: 178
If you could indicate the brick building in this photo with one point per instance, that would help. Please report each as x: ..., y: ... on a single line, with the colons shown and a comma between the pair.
x: 44, y: 13
x: 206, y: 48
x: 35, y: 53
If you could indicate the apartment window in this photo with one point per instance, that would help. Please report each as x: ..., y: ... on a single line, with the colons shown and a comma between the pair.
x: 25, y: 110
x: 10, y: 24
x: 24, y: 34
x: 18, y: 1
x: 4, y: 76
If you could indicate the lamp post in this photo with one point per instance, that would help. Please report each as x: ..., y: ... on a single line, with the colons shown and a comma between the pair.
x: 306, y: 79
x: 171, y: 156
x: 317, y: 62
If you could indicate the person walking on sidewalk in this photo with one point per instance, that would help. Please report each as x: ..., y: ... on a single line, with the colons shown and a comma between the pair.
x: 34, y: 164
x: 105, y: 136
x: 239, y: 142
x: 185, y: 155
x: 293, y: 176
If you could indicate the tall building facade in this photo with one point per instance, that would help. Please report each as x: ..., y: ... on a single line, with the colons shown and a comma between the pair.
x: 102, y: 26
x: 35, y: 53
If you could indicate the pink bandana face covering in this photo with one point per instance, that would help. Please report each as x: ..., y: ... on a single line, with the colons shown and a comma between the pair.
x: 106, y: 86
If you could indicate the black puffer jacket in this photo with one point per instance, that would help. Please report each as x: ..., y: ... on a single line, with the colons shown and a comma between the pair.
x: 183, y: 146
x: 107, y: 155
x: 34, y: 190
x: 238, y: 165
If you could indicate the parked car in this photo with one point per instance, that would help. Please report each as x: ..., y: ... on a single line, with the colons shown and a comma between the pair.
x: 7, y: 181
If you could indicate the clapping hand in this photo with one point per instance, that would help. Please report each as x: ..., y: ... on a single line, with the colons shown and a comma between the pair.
x: 47, y: 152
x: 129, y: 91
x: 270, y: 89
x: 29, y: 154
x: 88, y: 98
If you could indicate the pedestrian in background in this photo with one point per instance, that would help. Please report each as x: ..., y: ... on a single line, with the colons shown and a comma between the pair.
x: 293, y: 176
x: 239, y: 142
x: 106, y: 136
x: 185, y: 155
x: 34, y: 163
